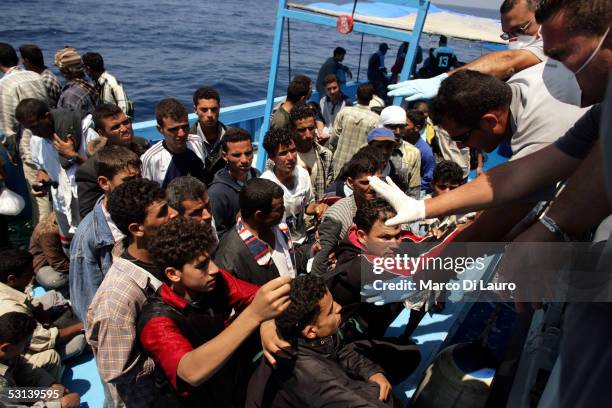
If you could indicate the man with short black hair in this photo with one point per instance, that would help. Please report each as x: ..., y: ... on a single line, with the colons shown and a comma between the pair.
x: 115, y: 129
x: 415, y: 122
x: 351, y: 127
x: 91, y: 252
x: 109, y: 88
x: 259, y: 248
x: 237, y: 152
x: 333, y: 100
x: 295, y: 182
x: 179, y: 154
x: 207, y: 105
x: 339, y: 217
x: 138, y: 208
x: 199, y: 326
x: 314, y: 158
x: 332, y: 66
x: 324, y: 370
x: 299, y: 90
x: 32, y: 60
x: 15, y: 86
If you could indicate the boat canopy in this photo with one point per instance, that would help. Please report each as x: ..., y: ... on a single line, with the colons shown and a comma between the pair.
x: 439, y: 21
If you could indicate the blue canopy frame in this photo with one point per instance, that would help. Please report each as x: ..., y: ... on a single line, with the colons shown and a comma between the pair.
x: 283, y: 13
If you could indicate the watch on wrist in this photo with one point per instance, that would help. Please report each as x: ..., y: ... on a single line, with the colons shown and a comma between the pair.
x: 553, y: 227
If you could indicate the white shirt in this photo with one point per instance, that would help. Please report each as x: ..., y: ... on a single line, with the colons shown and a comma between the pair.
x: 116, y: 232
x: 296, y: 200
x: 281, y: 256
x: 537, y: 117
x: 156, y: 160
x: 112, y: 92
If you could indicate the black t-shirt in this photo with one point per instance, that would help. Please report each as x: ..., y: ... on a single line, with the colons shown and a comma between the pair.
x: 578, y: 141
x: 184, y: 164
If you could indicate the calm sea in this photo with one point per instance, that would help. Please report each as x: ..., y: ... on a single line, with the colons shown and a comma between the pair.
x: 168, y: 48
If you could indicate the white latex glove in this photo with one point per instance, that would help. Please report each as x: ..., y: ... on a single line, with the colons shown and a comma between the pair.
x: 408, y: 209
x: 418, y: 88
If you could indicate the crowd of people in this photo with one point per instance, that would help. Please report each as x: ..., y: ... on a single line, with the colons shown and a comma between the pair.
x: 178, y: 263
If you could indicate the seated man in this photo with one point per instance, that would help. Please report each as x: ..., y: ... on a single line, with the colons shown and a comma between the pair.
x: 189, y: 197
x: 138, y: 208
x: 91, y: 253
x: 314, y: 158
x: 339, y: 217
x: 298, y: 91
x: 404, y: 159
x: 51, y: 264
x: 114, y: 128
x: 49, y: 342
x: 179, y: 154
x: 259, y: 247
x: 198, y: 326
x: 323, y: 371
x: 294, y: 180
x: 16, y: 330
x: 369, y: 236
x: 386, y: 143
x: 237, y: 151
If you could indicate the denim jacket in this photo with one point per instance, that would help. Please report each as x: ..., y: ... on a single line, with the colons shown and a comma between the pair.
x: 90, y: 258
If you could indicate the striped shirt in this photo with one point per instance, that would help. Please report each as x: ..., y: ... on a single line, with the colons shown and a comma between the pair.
x: 111, y: 333
x: 53, y: 86
x: 156, y: 160
x: 111, y: 91
x: 350, y: 133
x: 16, y: 85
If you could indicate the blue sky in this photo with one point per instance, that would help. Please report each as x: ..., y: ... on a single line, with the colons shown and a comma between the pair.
x: 490, y: 4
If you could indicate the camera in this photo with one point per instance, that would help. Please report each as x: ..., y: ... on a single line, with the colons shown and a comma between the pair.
x: 44, y: 185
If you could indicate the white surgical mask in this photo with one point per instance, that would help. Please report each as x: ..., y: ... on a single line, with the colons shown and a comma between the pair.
x: 521, y: 41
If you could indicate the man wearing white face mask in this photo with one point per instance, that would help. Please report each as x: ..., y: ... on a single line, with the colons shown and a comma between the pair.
x: 520, y: 29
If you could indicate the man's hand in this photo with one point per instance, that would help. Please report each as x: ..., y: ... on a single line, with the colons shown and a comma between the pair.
x: 271, y: 299
x: 271, y: 343
x: 71, y: 400
x: 408, y: 209
x: 385, y: 385
x: 417, y: 89
x: 41, y: 176
x: 319, y: 210
x: 64, y: 147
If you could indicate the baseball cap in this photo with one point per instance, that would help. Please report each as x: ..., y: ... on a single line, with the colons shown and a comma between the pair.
x: 392, y: 115
x: 379, y: 134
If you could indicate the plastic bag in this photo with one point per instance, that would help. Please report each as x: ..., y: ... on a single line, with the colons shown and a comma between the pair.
x: 10, y: 203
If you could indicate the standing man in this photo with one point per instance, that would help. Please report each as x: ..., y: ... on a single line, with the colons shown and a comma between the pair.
x: 109, y: 88
x: 77, y: 93
x: 207, y: 105
x: 179, y: 154
x: 314, y: 158
x: 298, y: 91
x: 414, y: 123
x: 351, y: 127
x: 237, y: 152
x: 377, y: 73
x: 332, y: 66
x: 15, y: 86
x: 32, y: 60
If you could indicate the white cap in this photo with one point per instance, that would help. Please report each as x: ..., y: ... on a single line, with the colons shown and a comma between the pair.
x: 392, y: 115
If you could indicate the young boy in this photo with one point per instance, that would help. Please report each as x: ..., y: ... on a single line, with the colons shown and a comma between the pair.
x: 323, y: 371
x: 16, y: 331
x: 188, y: 326
x: 16, y: 273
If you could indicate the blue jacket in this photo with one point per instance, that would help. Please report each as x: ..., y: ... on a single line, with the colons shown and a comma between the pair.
x: 428, y: 163
x: 90, y: 258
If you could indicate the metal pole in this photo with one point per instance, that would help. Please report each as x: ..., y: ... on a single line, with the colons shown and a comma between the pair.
x: 360, y: 52
x: 289, y: 46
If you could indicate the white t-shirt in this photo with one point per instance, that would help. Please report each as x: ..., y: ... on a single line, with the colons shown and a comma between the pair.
x: 537, y: 117
x: 156, y: 160
x: 296, y: 201
x: 281, y: 256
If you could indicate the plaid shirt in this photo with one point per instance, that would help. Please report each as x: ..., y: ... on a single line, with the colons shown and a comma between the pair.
x: 16, y: 85
x: 350, y: 133
x: 79, y: 95
x: 111, y: 333
x: 53, y: 86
